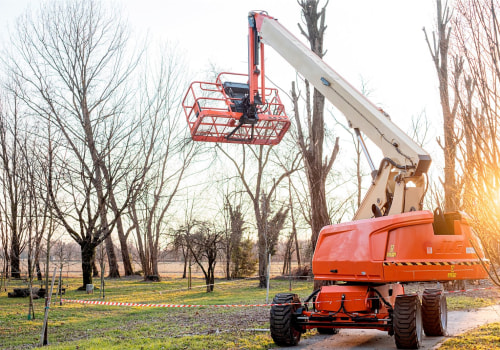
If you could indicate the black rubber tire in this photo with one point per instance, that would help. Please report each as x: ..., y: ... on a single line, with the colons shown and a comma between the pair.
x: 407, y: 321
x: 323, y: 330
x: 282, y: 328
x: 434, y: 312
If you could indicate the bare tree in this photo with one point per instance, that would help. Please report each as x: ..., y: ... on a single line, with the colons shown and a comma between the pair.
x: 63, y: 252
x: 311, y: 137
x: 14, y: 189
x: 49, y: 180
x: 37, y: 211
x: 165, y: 153
x: 179, y: 245
x: 293, y: 234
x: 287, y: 257
x: 439, y: 50
x: 203, y: 241
x: 68, y: 60
x: 477, y: 32
x: 4, y: 252
x: 234, y: 226
x: 261, y: 193
x: 22, y: 154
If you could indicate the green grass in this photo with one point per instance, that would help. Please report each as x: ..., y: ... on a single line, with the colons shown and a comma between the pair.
x: 463, y: 302
x: 483, y: 338
x: 81, y: 326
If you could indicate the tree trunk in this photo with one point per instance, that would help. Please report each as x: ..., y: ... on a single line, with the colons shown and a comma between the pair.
x: 149, y: 245
x: 297, y: 248
x: 38, y: 271
x: 210, y: 278
x: 467, y: 121
x: 450, y: 154
x: 294, y: 224
x: 15, y: 263
x: 127, y: 263
x: 228, y: 258
x: 154, y: 261
x: 262, y: 259
x: 114, y: 272
x: 316, y: 171
x: 31, y: 309
x: 88, y: 257
x: 319, y: 209
x: 95, y: 269
x: 286, y: 260
x: 317, y: 166
x: 184, y: 272
x: 98, y: 182
x: 140, y: 245
x: 439, y: 53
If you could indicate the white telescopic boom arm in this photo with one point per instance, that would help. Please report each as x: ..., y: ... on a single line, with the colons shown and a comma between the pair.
x: 358, y: 110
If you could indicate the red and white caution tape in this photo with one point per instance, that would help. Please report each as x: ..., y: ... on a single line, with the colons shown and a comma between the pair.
x: 112, y: 303
x: 468, y: 290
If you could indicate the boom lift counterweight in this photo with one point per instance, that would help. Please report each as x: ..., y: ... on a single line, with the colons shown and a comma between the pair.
x: 391, y: 240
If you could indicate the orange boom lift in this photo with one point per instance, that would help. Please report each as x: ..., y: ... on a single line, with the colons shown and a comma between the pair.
x: 391, y: 241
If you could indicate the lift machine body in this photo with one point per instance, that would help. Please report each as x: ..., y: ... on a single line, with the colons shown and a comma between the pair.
x: 364, y: 264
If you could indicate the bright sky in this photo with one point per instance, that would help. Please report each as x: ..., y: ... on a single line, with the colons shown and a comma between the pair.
x: 379, y: 42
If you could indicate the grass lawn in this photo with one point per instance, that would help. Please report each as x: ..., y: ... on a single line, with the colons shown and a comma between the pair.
x: 80, y: 326
x: 465, y: 302
x: 483, y: 338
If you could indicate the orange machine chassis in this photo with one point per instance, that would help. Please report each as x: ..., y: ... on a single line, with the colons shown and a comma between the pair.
x: 368, y: 262
x: 352, y: 306
x: 409, y: 247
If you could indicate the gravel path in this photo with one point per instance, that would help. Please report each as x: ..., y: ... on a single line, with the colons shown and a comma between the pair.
x: 458, y: 322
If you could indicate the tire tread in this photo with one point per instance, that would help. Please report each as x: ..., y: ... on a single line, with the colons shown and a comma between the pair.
x: 431, y: 312
x: 281, y: 320
x: 405, y: 322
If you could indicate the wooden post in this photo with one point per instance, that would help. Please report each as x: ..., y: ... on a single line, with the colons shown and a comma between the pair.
x: 60, y: 285
x: 268, y: 276
x: 102, y: 294
x: 44, y: 338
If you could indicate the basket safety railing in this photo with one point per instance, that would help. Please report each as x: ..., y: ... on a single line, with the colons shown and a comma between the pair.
x: 212, y: 117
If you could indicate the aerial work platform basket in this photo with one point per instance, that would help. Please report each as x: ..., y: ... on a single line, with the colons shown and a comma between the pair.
x: 222, y: 112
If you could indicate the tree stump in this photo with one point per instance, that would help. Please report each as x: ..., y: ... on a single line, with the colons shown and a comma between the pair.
x: 23, y: 293
x: 153, y: 278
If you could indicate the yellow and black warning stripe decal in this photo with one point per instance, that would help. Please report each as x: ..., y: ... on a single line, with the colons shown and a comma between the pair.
x: 431, y: 263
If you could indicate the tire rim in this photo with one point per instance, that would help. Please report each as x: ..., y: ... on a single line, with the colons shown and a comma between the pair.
x: 443, y: 310
x: 419, y: 323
